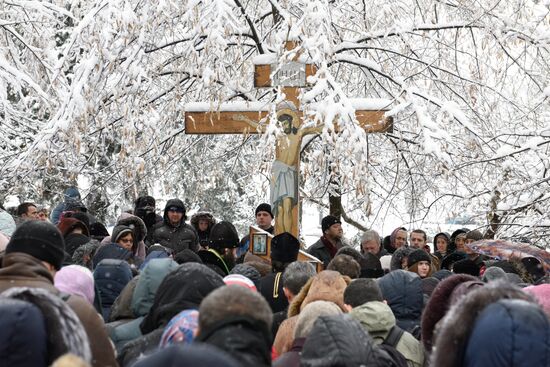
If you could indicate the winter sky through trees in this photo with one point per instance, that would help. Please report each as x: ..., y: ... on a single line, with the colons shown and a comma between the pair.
x: 96, y: 91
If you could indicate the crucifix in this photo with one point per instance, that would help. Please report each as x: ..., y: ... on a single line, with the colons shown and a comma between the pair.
x: 250, y: 118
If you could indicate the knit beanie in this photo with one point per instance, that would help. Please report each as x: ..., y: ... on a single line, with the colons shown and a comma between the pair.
x: 284, y: 248
x: 264, y: 207
x: 417, y: 256
x: 39, y: 239
x: 328, y: 221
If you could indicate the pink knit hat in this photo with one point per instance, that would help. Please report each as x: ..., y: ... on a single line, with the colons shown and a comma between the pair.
x: 240, y: 280
x: 542, y: 294
x: 77, y: 280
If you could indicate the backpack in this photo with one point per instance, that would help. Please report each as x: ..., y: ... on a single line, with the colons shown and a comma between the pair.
x: 387, y: 354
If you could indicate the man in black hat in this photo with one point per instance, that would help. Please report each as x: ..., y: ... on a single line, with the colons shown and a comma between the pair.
x: 330, y: 242
x: 34, y: 254
x: 284, y: 250
x: 222, y: 249
x: 264, y: 218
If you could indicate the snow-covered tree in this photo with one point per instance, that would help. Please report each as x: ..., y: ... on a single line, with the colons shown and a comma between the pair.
x: 97, y: 90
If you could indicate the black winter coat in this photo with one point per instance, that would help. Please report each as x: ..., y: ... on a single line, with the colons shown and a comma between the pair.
x: 176, y: 238
x: 403, y: 291
x: 338, y: 341
x: 111, y: 276
x: 20, y: 320
x: 198, y: 354
x: 245, y: 339
x: 319, y: 250
x: 182, y: 289
x: 271, y: 287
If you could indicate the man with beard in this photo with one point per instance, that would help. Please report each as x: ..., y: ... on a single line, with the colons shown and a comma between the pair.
x: 221, y: 254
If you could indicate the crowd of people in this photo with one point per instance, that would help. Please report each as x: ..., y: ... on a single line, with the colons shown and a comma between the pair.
x: 159, y: 290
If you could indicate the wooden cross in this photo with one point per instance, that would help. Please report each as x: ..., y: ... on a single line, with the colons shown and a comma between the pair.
x: 250, y: 118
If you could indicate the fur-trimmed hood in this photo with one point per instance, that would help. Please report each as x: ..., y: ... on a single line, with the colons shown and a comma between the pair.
x: 439, y: 304
x: 204, y: 216
x: 135, y: 223
x: 64, y: 329
x: 328, y: 285
x: 453, y: 333
x: 523, y: 336
x: 398, y: 256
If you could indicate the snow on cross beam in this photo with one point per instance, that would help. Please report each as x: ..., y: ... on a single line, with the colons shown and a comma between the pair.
x: 227, y: 118
x: 290, y: 73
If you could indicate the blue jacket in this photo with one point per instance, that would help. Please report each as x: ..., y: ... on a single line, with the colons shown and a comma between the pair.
x: 509, y: 333
x: 71, y: 193
x: 403, y: 291
x: 21, y: 319
x: 111, y: 276
x: 142, y: 300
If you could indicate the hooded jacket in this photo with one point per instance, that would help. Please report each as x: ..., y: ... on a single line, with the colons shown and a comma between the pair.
x: 142, y: 299
x: 19, y: 320
x: 439, y: 305
x: 523, y: 331
x: 389, y: 242
x: 377, y: 318
x: 111, y: 251
x: 245, y: 339
x: 203, y: 235
x: 176, y: 238
x: 70, y: 195
x: 111, y: 276
x: 338, y: 341
x: 22, y: 270
x: 403, y: 292
x: 198, y: 354
x: 121, y: 310
x: 64, y: 331
x: 439, y: 255
x: 139, y: 231
x: 328, y: 285
x: 182, y: 289
x: 523, y: 336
